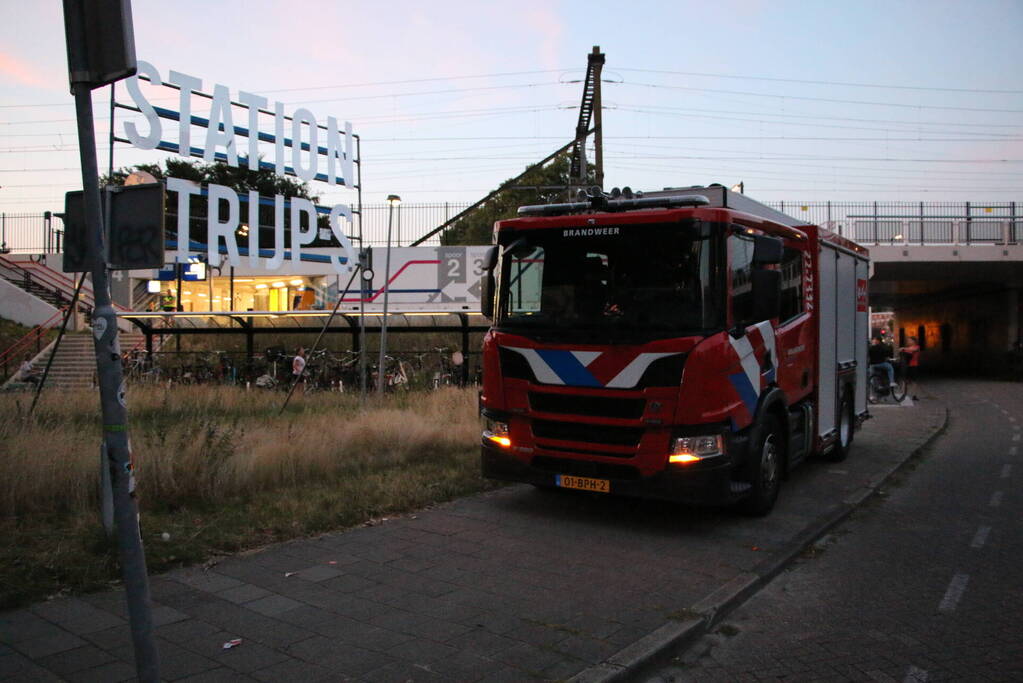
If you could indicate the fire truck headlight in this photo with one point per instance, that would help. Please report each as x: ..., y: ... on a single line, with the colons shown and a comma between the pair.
x: 496, y: 432
x: 689, y: 449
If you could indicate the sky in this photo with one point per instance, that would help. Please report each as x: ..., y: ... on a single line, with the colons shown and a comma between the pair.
x: 802, y: 101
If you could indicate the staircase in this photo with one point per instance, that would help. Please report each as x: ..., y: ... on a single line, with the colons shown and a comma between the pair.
x: 74, y: 366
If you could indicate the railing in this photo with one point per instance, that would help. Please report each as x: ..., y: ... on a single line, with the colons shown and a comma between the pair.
x: 36, y: 233
x: 29, y: 233
x: 33, y: 337
x: 902, y: 230
x: 60, y: 284
x: 29, y: 273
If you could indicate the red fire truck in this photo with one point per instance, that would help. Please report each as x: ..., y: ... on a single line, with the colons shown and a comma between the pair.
x: 687, y: 344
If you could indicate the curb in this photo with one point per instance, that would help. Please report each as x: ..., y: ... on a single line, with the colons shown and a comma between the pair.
x: 709, y: 611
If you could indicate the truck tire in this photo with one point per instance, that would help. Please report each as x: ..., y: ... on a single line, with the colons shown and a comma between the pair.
x: 768, y: 457
x: 846, y: 429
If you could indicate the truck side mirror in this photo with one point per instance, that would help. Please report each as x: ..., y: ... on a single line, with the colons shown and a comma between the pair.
x: 487, y: 283
x: 766, y: 250
x: 766, y: 294
x: 487, y: 294
x: 490, y: 259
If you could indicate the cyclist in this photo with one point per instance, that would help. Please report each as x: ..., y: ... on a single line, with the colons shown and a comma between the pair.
x: 879, y: 355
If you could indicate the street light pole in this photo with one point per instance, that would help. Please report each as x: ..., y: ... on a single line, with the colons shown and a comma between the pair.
x: 393, y: 200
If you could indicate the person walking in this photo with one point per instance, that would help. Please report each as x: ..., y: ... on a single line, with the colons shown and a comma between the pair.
x: 911, y: 353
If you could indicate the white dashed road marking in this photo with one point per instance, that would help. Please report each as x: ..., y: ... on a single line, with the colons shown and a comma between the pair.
x: 980, y: 538
x: 955, y: 591
x: 996, y: 499
x: 1012, y: 451
x: 1006, y: 470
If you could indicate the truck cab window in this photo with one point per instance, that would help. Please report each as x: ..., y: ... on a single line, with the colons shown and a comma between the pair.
x: 525, y: 281
x: 740, y: 261
x: 620, y: 281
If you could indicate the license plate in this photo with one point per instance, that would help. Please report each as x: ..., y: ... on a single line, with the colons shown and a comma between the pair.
x: 569, y: 481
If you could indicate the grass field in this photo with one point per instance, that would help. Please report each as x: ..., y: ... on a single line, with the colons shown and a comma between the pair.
x: 219, y: 471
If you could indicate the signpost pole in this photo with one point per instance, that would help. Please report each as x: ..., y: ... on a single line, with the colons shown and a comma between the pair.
x: 108, y: 366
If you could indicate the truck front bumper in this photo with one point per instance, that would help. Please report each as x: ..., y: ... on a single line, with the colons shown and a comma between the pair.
x: 707, y: 483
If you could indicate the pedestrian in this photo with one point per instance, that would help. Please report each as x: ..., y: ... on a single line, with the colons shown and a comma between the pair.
x: 298, y: 366
x: 911, y: 355
x: 26, y: 373
x: 167, y: 301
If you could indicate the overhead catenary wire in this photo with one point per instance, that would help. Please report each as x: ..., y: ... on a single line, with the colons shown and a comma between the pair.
x: 843, y: 84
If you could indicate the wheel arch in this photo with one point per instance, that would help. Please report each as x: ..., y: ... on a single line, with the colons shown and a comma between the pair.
x: 773, y: 403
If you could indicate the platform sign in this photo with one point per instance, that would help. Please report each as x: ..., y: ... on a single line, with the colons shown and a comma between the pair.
x: 425, y: 279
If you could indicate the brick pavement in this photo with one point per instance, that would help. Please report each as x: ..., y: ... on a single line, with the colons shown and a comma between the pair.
x: 876, y: 602
x: 512, y: 585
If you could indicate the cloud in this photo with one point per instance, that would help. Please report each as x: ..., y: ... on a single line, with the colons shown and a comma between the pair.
x: 21, y: 72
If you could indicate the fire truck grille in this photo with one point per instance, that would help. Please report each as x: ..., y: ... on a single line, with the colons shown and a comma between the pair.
x: 597, y: 406
x: 587, y: 451
x: 588, y: 433
x: 583, y: 468
x: 663, y: 372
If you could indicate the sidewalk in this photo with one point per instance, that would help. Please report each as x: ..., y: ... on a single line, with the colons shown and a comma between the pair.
x: 512, y: 585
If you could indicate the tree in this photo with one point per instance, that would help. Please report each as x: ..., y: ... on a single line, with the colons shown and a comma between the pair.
x: 540, y: 185
x: 241, y: 180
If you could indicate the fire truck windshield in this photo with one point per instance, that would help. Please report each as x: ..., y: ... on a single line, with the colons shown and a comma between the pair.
x: 632, y: 280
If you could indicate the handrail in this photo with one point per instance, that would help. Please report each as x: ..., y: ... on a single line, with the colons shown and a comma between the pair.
x: 46, y: 277
x: 31, y: 336
x: 58, y: 276
x: 53, y: 279
x: 41, y: 278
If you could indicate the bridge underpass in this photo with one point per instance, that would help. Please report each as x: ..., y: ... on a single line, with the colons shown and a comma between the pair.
x: 961, y: 296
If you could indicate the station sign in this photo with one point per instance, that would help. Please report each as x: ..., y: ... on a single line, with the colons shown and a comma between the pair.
x: 302, y: 145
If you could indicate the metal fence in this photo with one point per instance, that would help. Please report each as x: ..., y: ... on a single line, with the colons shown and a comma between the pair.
x: 913, y: 222
x: 864, y: 222
x: 30, y: 233
x: 410, y: 222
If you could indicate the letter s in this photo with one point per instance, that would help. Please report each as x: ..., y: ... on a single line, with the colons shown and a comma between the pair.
x: 337, y: 228
x: 155, y: 129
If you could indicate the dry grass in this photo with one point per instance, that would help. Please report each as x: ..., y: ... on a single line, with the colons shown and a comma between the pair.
x: 219, y: 471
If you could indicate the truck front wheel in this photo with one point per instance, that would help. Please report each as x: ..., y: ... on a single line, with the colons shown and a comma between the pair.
x: 768, y: 457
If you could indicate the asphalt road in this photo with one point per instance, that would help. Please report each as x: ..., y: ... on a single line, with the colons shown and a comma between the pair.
x: 923, y: 583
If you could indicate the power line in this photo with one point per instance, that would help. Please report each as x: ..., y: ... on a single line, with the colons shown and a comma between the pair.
x: 715, y: 118
x: 419, y: 80
x: 820, y: 158
x: 835, y: 118
x: 335, y: 99
x: 821, y: 99
x: 838, y: 83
